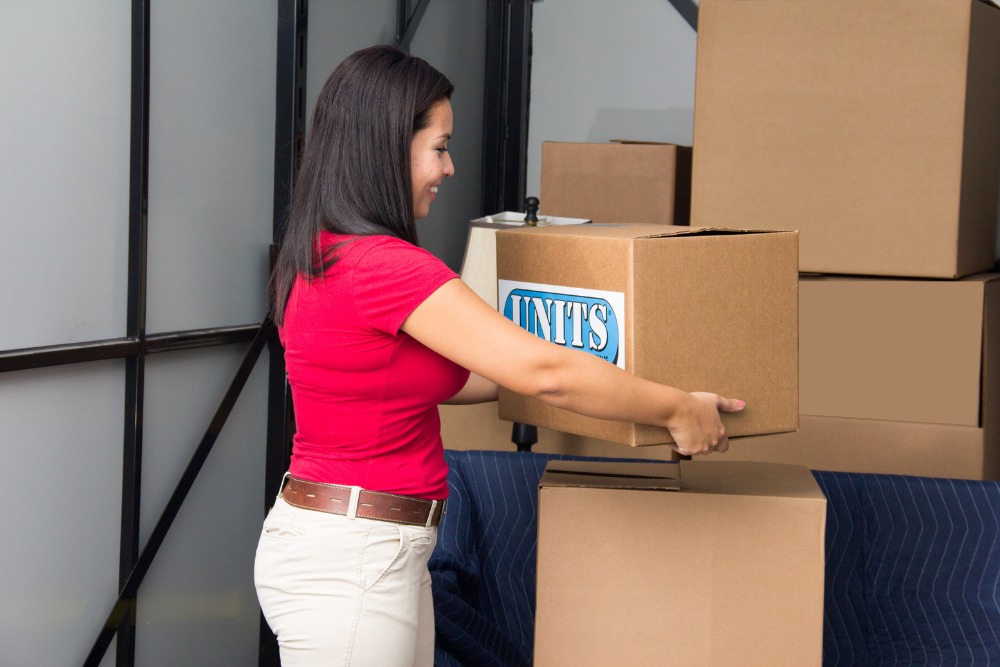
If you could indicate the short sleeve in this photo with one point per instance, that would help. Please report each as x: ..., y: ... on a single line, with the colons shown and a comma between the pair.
x: 391, y: 279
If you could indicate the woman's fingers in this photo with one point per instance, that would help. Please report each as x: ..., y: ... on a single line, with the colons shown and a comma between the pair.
x: 701, y: 430
x: 730, y: 405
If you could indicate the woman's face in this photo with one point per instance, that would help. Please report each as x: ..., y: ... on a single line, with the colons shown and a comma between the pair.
x: 429, y: 159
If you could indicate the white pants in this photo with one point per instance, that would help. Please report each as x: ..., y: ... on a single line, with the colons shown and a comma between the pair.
x: 346, y: 592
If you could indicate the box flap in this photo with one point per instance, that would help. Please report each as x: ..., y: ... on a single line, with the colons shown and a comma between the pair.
x: 739, y: 478
x: 730, y: 478
x: 637, y: 142
x: 627, y: 230
x: 612, y: 475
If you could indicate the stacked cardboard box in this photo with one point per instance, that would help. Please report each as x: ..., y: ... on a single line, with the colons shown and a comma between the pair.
x: 872, y: 127
x: 692, y: 564
x: 620, y: 181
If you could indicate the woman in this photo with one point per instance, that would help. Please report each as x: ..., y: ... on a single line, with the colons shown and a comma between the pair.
x: 377, y: 333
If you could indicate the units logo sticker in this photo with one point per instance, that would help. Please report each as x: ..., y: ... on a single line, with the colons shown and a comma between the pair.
x: 580, y: 319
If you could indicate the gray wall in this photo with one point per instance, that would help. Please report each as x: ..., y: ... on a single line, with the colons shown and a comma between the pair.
x: 452, y: 38
x: 609, y: 69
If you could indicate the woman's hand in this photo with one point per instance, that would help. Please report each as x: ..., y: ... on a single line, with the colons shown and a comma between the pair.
x: 696, y: 426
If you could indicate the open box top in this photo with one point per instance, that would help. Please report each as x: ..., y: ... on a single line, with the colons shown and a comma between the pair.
x: 730, y: 478
x: 636, y: 230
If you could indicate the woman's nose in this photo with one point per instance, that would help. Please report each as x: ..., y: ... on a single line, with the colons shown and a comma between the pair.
x: 449, y: 166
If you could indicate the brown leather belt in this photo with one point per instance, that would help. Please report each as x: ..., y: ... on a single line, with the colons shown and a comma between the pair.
x: 336, y: 499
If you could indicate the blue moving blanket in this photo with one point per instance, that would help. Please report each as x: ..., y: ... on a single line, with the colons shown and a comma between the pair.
x: 912, y: 571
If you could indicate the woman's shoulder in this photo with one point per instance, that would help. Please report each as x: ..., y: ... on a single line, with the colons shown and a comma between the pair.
x: 367, y: 253
x: 351, y: 244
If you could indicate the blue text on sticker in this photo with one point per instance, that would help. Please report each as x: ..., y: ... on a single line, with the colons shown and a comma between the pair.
x: 578, y: 322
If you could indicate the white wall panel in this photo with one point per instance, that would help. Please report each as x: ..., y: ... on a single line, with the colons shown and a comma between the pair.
x: 61, y: 451
x: 64, y: 170
x: 211, y: 161
x: 609, y: 69
x: 197, y: 605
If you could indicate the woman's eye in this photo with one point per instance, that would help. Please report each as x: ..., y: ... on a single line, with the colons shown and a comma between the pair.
x: 443, y: 149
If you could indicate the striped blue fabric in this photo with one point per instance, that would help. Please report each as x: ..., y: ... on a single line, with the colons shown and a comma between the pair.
x: 912, y: 570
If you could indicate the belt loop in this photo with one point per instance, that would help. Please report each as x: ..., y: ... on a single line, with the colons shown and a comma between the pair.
x: 352, y: 508
x: 430, y: 515
x: 281, y: 486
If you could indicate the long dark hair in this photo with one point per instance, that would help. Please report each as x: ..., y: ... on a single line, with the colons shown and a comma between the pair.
x: 354, y: 176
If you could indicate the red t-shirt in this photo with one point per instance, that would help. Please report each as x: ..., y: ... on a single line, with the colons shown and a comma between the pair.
x: 366, y: 393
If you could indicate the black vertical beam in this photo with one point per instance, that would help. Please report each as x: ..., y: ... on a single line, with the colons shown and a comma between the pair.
x: 688, y: 10
x: 402, y: 19
x: 407, y: 23
x: 507, y: 98
x: 289, y: 137
x: 135, y: 327
x: 290, y: 102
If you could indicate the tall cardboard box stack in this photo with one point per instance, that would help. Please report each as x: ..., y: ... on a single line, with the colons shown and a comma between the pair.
x: 873, y: 128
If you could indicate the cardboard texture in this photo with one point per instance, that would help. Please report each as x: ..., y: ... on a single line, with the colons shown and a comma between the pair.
x: 706, y: 310
x: 897, y: 377
x: 876, y: 446
x: 617, y: 182
x: 728, y: 570
x: 869, y: 126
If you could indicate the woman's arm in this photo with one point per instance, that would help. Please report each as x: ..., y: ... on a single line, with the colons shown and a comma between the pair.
x: 477, y: 390
x: 457, y: 324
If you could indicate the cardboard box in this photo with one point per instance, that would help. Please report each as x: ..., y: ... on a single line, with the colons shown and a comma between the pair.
x: 697, y: 309
x: 900, y: 350
x: 869, y: 126
x: 878, y: 446
x: 896, y: 376
x: 617, y: 182
x: 727, y: 570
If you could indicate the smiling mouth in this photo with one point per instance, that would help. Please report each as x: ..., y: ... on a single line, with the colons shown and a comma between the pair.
x: 434, y: 189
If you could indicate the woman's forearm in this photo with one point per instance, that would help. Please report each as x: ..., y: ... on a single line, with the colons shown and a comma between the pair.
x: 582, y: 383
x: 457, y: 324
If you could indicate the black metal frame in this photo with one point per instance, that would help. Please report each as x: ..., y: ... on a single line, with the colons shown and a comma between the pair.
x: 289, y: 137
x: 506, y: 103
x: 407, y: 22
x: 133, y: 348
